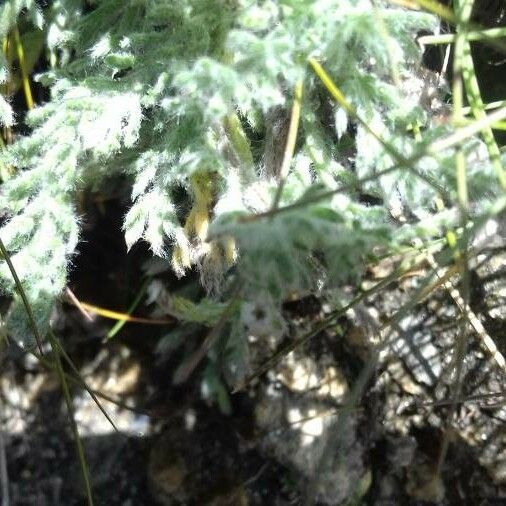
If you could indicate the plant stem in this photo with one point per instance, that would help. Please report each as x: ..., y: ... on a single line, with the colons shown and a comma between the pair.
x: 68, y: 401
x: 290, y: 143
x: 22, y: 294
x: 24, y: 73
x: 59, y: 369
x: 475, y: 35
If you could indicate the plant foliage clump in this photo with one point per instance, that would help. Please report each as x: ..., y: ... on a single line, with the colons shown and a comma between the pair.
x: 195, y: 98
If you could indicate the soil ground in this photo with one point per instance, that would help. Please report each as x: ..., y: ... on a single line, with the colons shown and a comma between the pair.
x: 172, y: 447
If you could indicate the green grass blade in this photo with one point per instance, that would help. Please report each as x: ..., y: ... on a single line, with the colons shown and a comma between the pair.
x: 81, y: 380
x: 68, y: 401
x: 59, y: 370
x: 22, y: 294
x: 120, y: 323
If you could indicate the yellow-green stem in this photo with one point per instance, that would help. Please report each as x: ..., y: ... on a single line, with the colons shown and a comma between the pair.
x: 24, y: 73
x: 290, y: 142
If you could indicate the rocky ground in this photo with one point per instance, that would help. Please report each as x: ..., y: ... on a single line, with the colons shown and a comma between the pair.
x: 291, y: 434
